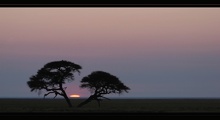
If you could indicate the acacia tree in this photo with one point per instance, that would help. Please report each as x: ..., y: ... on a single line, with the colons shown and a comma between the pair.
x: 101, y: 83
x: 52, y: 77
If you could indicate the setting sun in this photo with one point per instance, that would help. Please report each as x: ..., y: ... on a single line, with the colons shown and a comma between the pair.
x: 75, y: 96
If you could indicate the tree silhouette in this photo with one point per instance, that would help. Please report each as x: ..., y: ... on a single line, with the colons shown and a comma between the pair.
x: 52, y: 77
x: 100, y: 83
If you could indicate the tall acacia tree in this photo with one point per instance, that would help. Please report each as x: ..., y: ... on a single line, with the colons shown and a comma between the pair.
x: 101, y: 83
x: 52, y: 77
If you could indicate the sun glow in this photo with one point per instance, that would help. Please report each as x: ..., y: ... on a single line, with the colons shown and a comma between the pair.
x: 74, y: 96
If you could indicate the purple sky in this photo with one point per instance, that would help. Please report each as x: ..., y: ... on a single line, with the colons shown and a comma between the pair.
x: 157, y: 52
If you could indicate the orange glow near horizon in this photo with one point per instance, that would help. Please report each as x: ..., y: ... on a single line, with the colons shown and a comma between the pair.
x: 74, y: 96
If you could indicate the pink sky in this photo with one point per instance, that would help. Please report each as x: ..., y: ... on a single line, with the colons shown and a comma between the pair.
x: 117, y: 30
x: 186, y: 36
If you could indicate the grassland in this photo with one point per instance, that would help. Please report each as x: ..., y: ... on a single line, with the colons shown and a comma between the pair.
x: 111, y: 106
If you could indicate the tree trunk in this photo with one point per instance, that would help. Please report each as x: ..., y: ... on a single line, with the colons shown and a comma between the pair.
x: 66, y: 98
x: 85, y: 102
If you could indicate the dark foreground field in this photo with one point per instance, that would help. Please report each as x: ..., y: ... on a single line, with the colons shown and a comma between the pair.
x: 130, y: 106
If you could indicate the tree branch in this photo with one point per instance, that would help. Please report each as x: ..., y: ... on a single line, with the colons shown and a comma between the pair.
x: 55, y: 92
x: 105, y: 98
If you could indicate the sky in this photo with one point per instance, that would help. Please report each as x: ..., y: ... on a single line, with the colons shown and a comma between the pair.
x: 158, y: 52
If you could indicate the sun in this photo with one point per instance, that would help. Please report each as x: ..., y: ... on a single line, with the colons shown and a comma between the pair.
x: 74, y: 96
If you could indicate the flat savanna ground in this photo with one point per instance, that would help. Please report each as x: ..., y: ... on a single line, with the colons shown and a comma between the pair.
x: 111, y: 106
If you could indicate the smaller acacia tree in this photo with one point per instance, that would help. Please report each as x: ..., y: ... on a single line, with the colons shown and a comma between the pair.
x: 101, y: 83
x: 52, y: 77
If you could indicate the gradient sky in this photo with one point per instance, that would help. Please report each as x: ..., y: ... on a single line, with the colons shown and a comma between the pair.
x: 157, y: 52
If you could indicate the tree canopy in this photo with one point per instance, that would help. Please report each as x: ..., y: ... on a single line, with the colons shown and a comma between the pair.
x: 52, y: 77
x: 101, y: 83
